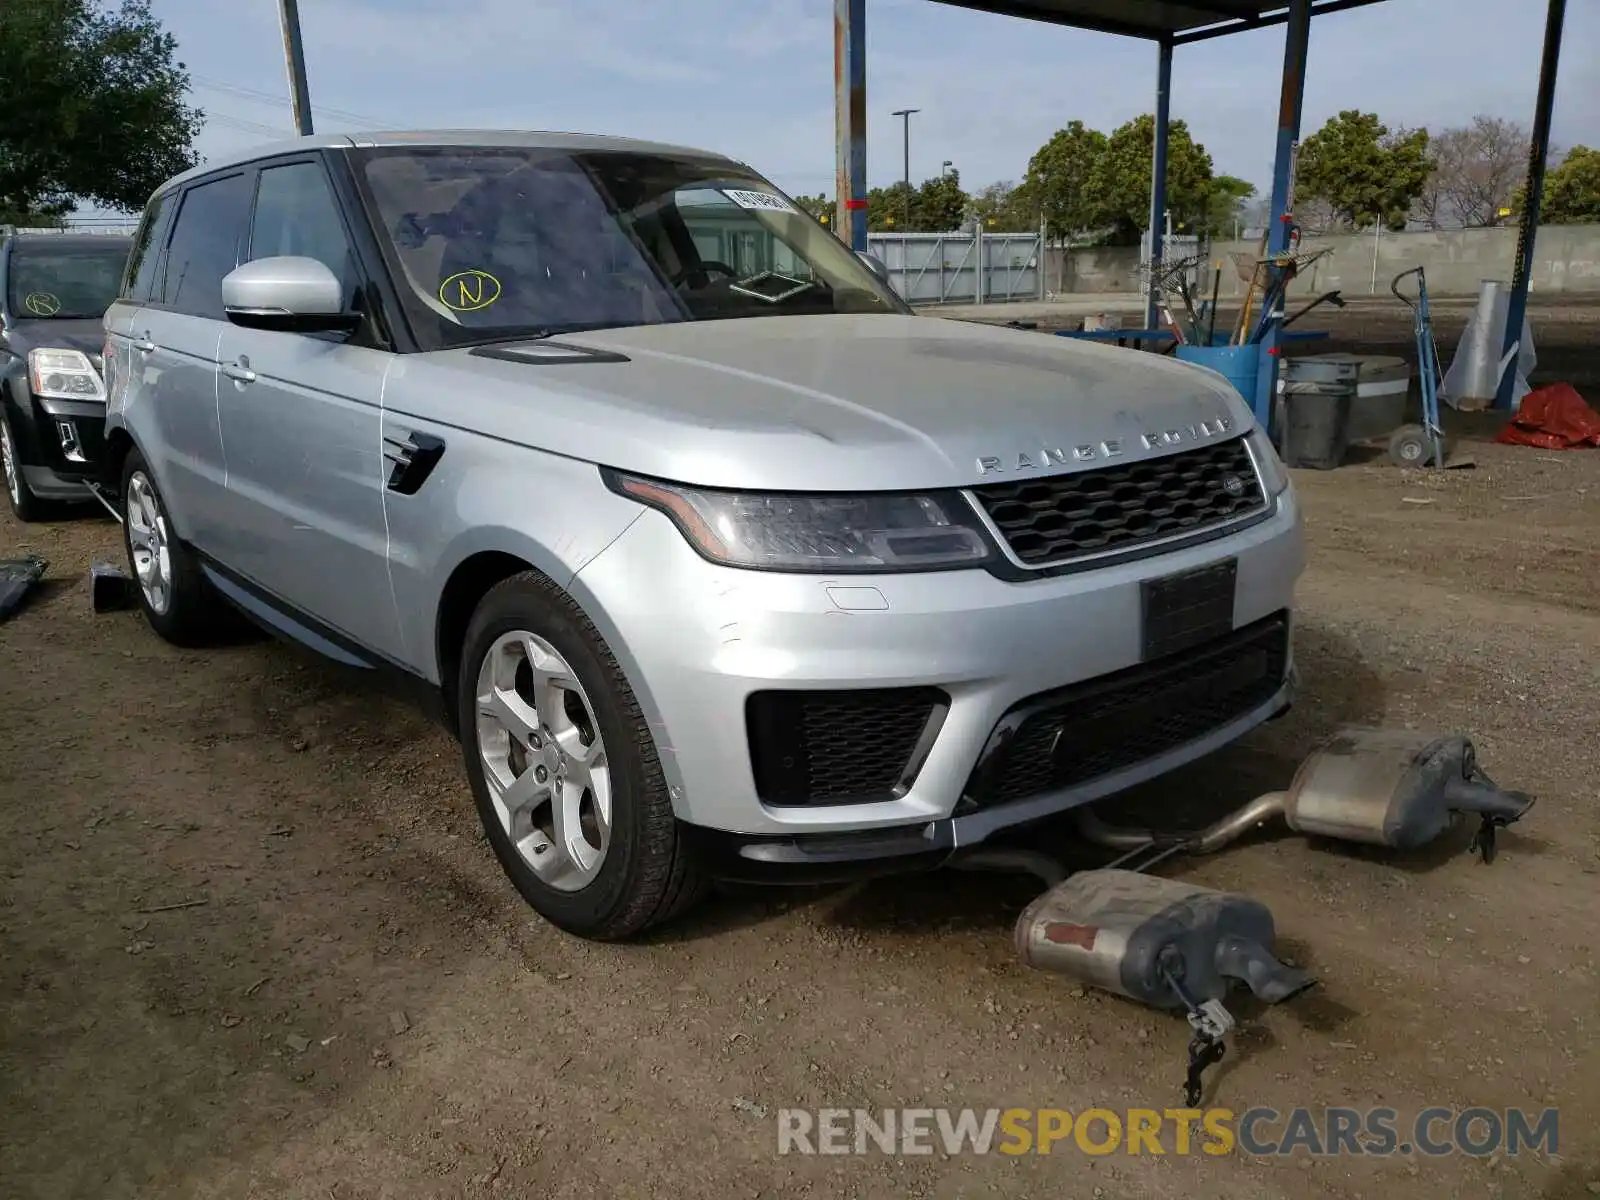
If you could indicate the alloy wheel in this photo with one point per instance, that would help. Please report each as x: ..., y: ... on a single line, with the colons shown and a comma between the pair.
x: 8, y: 460
x: 543, y: 760
x: 148, y: 542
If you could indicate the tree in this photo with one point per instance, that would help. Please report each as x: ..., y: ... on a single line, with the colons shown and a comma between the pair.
x: 1057, y: 180
x: 1572, y: 190
x: 1362, y: 171
x: 1004, y: 208
x: 821, y: 208
x: 92, y: 108
x: 1226, y: 206
x: 887, y: 209
x: 1476, y: 169
x: 1119, y: 180
x: 939, y: 205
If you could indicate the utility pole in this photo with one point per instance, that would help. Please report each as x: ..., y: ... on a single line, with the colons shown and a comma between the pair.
x: 905, y: 120
x: 294, y: 54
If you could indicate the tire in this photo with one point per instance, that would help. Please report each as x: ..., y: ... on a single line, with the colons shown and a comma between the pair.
x: 618, y: 878
x: 25, y: 506
x: 184, y: 610
x: 1408, y: 446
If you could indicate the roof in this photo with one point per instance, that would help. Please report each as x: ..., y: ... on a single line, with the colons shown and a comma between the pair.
x: 513, y: 138
x: 1192, y: 20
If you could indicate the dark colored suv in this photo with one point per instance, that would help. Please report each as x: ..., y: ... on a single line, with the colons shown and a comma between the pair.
x: 54, y: 291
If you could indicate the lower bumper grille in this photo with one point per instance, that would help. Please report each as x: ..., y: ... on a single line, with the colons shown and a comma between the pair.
x: 1069, y: 736
x: 841, y: 747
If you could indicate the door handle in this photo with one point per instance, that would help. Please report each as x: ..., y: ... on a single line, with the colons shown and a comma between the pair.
x: 143, y: 344
x: 240, y: 371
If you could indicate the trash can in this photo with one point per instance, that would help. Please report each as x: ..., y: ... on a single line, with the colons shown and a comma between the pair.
x: 1239, y: 365
x: 1318, y: 396
x: 1382, y: 387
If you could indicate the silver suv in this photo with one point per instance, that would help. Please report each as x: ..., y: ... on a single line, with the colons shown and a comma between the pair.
x: 717, y: 559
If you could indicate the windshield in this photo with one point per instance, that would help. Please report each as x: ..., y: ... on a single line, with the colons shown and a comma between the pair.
x: 64, y: 281
x: 492, y: 243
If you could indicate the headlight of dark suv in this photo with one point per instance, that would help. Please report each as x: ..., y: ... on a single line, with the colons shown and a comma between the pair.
x: 64, y: 375
x: 825, y: 534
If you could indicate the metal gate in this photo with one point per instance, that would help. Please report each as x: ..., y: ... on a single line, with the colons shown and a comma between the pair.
x: 961, y: 268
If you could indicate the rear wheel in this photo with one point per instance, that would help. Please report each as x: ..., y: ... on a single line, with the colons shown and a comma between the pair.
x: 24, y: 504
x: 176, y: 599
x: 1408, y: 446
x: 564, y: 769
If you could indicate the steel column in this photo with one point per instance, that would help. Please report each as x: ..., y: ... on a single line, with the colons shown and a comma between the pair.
x: 1158, y: 178
x: 294, y: 55
x: 1297, y: 41
x: 1533, y: 194
x: 850, y: 120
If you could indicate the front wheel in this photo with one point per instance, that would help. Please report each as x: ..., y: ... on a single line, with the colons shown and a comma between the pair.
x: 1408, y: 446
x: 24, y: 504
x: 564, y: 770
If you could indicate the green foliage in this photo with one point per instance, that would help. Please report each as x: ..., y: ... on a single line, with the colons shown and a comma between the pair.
x: 939, y: 205
x: 1119, y: 180
x: 1362, y: 171
x: 819, y: 207
x: 91, y: 107
x: 1225, y: 205
x: 1572, y: 190
x: 1057, y: 180
x: 1005, y: 208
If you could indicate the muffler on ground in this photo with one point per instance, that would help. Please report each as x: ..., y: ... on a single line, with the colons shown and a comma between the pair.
x: 1162, y: 942
x: 1378, y: 787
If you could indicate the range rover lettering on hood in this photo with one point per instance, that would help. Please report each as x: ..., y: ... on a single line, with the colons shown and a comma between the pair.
x: 1034, y: 460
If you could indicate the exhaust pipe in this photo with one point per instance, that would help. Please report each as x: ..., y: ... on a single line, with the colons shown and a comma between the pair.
x: 1378, y: 787
x: 1162, y: 942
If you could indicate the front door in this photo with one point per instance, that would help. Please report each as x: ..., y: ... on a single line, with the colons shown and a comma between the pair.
x: 302, y: 429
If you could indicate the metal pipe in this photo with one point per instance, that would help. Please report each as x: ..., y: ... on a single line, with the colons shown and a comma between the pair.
x: 1209, y: 840
x: 1538, y: 151
x: 1158, y: 178
x: 294, y: 55
x: 905, y: 121
x: 850, y: 121
x: 1291, y: 99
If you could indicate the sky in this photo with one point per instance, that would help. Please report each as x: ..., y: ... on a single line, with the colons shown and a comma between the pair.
x: 754, y: 78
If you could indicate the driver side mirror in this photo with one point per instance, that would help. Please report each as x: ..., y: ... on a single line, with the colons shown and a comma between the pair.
x: 287, y: 294
x: 879, y: 267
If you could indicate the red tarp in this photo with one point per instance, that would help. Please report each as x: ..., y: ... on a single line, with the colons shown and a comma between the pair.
x: 1553, y: 418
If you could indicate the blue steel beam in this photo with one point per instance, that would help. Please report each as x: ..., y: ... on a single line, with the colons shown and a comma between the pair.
x: 1245, y: 24
x: 1533, y: 194
x: 1291, y: 99
x: 1158, y: 179
x: 850, y: 120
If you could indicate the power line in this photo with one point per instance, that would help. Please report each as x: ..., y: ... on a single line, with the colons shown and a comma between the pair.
x: 261, y: 97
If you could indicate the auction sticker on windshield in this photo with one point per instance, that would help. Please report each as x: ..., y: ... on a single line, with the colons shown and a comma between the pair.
x: 764, y: 201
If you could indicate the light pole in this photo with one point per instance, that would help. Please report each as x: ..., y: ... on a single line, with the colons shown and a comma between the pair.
x: 294, y: 54
x: 905, y: 120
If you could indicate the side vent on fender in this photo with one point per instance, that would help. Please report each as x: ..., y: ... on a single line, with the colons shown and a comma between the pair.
x: 413, y: 461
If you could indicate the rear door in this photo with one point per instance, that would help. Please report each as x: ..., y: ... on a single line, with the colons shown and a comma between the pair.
x: 145, y: 260
x: 174, y: 339
x: 301, y: 423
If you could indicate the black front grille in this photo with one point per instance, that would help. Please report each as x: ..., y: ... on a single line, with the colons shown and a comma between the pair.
x: 1069, y: 736
x: 840, y: 747
x: 1061, y: 517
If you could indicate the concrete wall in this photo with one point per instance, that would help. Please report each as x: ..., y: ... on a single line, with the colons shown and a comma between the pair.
x: 1566, y: 259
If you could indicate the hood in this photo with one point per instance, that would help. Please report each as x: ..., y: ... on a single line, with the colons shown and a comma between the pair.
x: 885, y: 402
x: 86, y: 334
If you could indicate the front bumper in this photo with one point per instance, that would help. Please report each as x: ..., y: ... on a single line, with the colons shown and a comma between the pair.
x: 698, y: 641
x: 62, y: 447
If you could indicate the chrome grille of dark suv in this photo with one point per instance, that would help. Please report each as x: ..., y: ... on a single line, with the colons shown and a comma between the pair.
x: 1057, y: 518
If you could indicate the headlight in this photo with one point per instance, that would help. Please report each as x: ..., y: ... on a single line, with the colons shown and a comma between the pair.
x: 64, y: 375
x: 1274, y: 475
x: 825, y: 534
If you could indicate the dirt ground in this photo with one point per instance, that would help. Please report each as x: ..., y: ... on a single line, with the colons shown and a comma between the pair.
x: 252, y: 944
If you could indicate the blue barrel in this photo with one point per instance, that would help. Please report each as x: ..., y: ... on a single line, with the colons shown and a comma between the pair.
x: 1239, y: 365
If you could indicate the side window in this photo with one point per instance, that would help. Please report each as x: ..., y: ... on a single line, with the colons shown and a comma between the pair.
x: 205, y: 245
x: 146, y: 254
x: 296, y: 214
